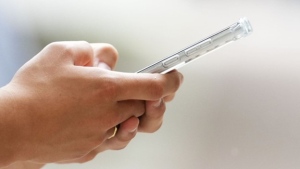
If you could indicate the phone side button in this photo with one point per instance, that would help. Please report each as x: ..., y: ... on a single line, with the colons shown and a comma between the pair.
x: 191, y: 50
x: 197, y: 47
x: 170, y: 61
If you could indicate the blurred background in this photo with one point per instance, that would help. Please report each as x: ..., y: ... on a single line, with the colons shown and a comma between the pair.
x: 238, y: 108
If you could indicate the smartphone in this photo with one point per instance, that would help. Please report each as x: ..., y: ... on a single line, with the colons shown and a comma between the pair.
x: 236, y: 31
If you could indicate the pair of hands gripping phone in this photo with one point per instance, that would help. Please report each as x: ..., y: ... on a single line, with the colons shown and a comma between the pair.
x: 66, y: 101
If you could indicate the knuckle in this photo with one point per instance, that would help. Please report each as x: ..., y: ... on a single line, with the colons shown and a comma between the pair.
x: 55, y: 46
x: 110, y: 50
x: 69, y: 48
x: 159, y: 112
x: 59, y: 49
x: 157, y: 89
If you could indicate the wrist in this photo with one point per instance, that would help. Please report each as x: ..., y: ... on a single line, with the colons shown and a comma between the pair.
x: 6, y: 153
x: 11, y: 128
x: 25, y: 165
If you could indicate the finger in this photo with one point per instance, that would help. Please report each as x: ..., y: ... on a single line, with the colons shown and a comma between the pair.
x: 129, y: 108
x: 125, y: 110
x: 169, y: 98
x: 112, y: 132
x: 145, y: 86
x: 77, y: 53
x: 103, y: 65
x: 152, y: 120
x: 126, y: 132
x: 120, y: 112
x: 105, y: 53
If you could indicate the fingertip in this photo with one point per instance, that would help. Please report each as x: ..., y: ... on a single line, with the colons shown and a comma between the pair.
x: 130, y: 125
x: 126, y: 132
x: 106, y: 53
x: 169, y: 98
x: 179, y: 74
x: 155, y: 109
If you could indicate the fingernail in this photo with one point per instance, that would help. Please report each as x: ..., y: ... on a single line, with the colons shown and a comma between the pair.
x: 157, y: 103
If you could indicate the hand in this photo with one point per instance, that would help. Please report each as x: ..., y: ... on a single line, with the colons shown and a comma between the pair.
x: 106, y: 58
x: 66, y: 108
x: 149, y: 122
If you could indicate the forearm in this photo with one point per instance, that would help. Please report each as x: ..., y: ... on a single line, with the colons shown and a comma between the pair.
x: 8, y: 130
x: 24, y: 165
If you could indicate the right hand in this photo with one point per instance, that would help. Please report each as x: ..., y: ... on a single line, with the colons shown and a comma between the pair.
x: 64, y: 109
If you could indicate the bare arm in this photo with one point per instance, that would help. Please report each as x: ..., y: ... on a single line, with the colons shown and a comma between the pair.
x: 24, y: 165
x: 59, y: 107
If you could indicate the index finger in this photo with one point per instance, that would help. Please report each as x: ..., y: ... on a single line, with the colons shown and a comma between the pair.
x: 105, y: 53
x: 146, y: 86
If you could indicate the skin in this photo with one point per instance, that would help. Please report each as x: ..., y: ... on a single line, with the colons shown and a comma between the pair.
x: 63, y: 105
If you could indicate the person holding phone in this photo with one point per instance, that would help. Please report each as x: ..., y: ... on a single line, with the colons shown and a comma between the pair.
x: 66, y: 105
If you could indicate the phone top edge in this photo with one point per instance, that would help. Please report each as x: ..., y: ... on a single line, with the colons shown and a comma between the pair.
x: 238, y: 30
x: 245, y: 23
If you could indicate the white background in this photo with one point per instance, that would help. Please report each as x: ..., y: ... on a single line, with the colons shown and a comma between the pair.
x: 238, y: 107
